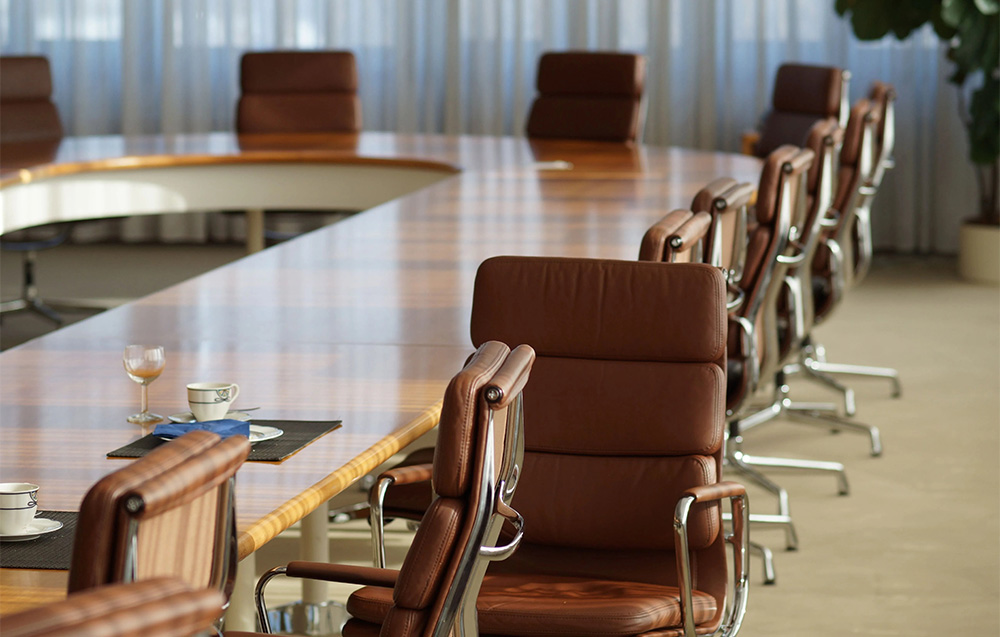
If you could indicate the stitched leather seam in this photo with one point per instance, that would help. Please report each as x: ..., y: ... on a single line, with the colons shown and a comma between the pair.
x: 709, y: 476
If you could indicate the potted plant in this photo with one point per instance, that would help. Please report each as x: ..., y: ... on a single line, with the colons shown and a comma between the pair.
x: 971, y: 29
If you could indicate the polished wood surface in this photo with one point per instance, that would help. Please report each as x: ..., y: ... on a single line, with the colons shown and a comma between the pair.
x: 363, y: 321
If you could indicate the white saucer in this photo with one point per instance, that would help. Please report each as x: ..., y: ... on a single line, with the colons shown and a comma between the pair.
x: 38, y: 526
x: 263, y: 432
x: 187, y: 417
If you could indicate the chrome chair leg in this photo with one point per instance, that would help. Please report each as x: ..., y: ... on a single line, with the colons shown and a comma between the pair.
x: 807, y: 465
x: 888, y: 373
x: 784, y: 521
x: 30, y: 301
x: 736, y: 460
x: 837, y: 423
x: 850, y: 406
x: 767, y: 559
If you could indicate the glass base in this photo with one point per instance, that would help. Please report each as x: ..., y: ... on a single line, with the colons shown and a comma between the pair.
x: 144, y: 418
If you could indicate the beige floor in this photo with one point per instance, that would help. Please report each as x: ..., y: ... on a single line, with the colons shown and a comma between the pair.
x: 914, y: 550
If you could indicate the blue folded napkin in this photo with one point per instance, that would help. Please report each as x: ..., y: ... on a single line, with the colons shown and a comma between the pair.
x: 224, y: 428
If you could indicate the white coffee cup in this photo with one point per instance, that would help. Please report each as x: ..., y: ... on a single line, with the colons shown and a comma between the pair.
x: 18, y: 505
x: 211, y: 401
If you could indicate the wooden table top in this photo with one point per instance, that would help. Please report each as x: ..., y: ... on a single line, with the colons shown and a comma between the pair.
x: 363, y: 321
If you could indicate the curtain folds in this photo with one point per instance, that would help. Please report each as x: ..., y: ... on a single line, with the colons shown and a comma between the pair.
x: 468, y: 66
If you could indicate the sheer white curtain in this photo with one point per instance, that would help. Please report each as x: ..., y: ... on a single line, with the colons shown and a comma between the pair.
x: 468, y: 66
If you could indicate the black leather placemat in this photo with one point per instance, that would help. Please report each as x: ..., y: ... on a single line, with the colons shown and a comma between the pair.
x: 50, y: 551
x: 298, y: 434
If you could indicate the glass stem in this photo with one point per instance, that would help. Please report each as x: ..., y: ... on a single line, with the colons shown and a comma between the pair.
x: 145, y: 402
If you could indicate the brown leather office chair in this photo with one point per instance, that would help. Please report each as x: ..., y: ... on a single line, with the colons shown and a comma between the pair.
x: 30, y: 126
x: 754, y: 350
x: 161, y: 607
x: 292, y: 92
x: 844, y: 253
x: 169, y: 513
x: 298, y: 92
x: 624, y: 415
x: 802, y: 95
x: 588, y: 95
x: 478, y: 464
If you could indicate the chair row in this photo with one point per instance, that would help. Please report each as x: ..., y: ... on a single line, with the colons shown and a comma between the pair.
x: 787, y: 268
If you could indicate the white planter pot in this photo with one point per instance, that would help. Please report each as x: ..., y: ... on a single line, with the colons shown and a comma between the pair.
x: 979, y: 253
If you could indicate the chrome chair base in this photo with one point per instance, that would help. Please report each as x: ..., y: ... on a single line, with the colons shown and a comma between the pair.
x: 315, y: 620
x: 767, y: 560
x: 892, y: 375
x: 814, y: 366
x: 31, y: 304
x: 806, y: 465
x: 805, y: 414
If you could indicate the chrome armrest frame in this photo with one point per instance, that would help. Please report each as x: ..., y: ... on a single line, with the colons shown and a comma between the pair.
x: 740, y: 541
x: 749, y: 345
x: 735, y: 298
x: 258, y: 596
x: 796, y: 309
x: 376, y: 519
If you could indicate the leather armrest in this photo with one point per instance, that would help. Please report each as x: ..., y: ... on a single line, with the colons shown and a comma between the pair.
x: 344, y: 573
x: 748, y: 142
x: 717, y: 491
x: 690, y: 232
x: 410, y: 474
x: 510, y: 379
x: 655, y: 242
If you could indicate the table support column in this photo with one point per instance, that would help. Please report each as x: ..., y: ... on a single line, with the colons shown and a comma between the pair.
x: 241, y: 614
x: 255, y: 230
x: 315, y: 547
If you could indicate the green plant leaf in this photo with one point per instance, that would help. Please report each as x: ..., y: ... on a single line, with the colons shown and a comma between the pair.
x: 971, y: 36
x: 988, y: 7
x: 984, y: 124
x: 944, y: 30
x: 910, y: 16
x: 871, y: 20
x: 842, y: 6
x: 953, y: 11
x: 990, y: 52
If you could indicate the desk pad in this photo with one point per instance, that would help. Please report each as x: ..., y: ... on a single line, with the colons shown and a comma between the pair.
x: 52, y: 551
x: 298, y: 434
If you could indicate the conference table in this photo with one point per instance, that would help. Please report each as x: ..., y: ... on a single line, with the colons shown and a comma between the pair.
x: 364, y: 321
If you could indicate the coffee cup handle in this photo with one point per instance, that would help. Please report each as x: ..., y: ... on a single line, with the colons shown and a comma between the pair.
x: 236, y: 392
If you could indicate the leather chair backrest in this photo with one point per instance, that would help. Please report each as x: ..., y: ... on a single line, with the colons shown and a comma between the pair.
x: 858, y: 157
x: 624, y: 410
x: 29, y: 115
x: 430, y: 581
x: 883, y: 96
x: 802, y: 95
x: 825, y: 140
x: 727, y: 201
x: 161, y: 607
x: 177, y: 504
x: 780, y: 204
x: 588, y: 95
x: 298, y: 92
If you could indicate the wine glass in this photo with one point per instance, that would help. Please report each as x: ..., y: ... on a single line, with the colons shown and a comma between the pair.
x: 144, y: 363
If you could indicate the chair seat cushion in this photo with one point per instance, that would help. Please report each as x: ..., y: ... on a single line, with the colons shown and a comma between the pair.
x: 525, y: 606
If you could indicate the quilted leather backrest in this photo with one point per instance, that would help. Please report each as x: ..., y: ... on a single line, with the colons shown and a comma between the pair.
x: 298, y: 92
x: 626, y: 401
x: 802, y: 95
x: 26, y: 100
x: 588, y: 95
